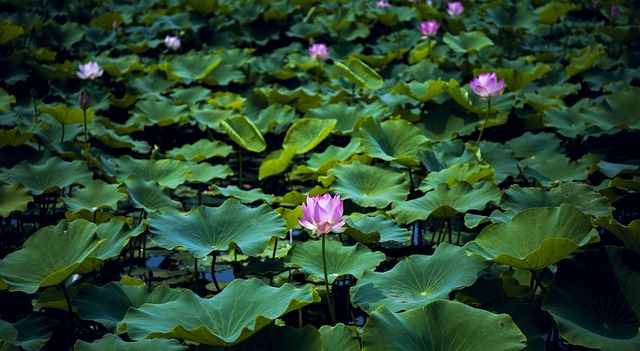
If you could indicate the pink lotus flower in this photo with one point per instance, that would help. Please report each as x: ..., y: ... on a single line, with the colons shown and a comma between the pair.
x: 455, y: 8
x: 172, y: 42
x: 383, y: 3
x: 89, y: 70
x: 323, y: 214
x: 486, y: 86
x: 429, y: 28
x: 318, y: 51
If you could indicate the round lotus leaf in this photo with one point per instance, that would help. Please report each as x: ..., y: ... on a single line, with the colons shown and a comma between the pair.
x: 471, y: 173
x: 417, y: 280
x: 13, y: 197
x: 245, y: 196
x: 276, y: 162
x: 149, y: 195
x: 554, y: 170
x: 369, y: 186
x: 159, y: 112
x: 348, y: 115
x: 341, y: 260
x: 95, y: 195
x: 168, y: 173
x: 579, y: 195
x: 392, y: 140
x: 239, y: 311
x: 53, y: 174
x: 307, y: 133
x: 273, y: 337
x: 619, y: 110
x: 201, y: 150
x: 535, y: 238
x: 467, y: 42
x: 446, y: 202
x: 49, y: 256
x: 68, y: 115
x: 204, y: 172
x: 441, y: 325
x: 541, y: 145
x: 113, y: 342
x: 192, y: 67
x: 373, y: 229
x: 207, y: 229
x: 595, y: 300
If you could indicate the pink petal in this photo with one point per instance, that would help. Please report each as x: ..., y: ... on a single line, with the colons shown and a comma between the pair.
x: 306, y: 224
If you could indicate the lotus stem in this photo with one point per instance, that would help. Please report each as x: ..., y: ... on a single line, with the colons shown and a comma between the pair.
x: 66, y: 297
x: 62, y: 136
x: 85, y: 127
x: 326, y: 282
x: 213, y: 271
x: 275, y: 248
x: 485, y: 122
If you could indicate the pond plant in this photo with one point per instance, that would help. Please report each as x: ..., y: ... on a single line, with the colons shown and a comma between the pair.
x: 319, y: 175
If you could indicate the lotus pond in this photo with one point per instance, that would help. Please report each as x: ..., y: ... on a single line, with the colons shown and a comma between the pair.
x: 469, y: 173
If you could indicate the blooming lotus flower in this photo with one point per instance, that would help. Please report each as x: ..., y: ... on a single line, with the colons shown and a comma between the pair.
x: 486, y: 86
x: 318, y: 51
x: 89, y: 70
x: 455, y: 8
x: 383, y: 3
x: 429, y: 28
x: 323, y: 214
x: 172, y: 42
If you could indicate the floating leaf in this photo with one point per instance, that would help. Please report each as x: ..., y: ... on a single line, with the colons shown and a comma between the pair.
x: 95, y: 195
x: 550, y: 12
x: 619, y: 110
x: 347, y: 115
x: 392, y: 140
x: 338, y: 337
x: 542, y: 145
x: 585, y: 59
x: 67, y: 245
x: 582, y: 196
x: 13, y: 197
x: 154, y: 111
x: 67, y: 115
x: 595, y: 300
x: 369, y: 186
x: 471, y: 173
x: 52, y: 175
x: 341, y: 260
x: 241, y: 130
x: 240, y: 310
x: 359, y: 73
x: 208, y: 229
x: 467, y: 42
x: 417, y: 280
x: 201, y: 150
x: 446, y: 201
x: 535, y: 238
x: 192, y: 67
x: 369, y: 229
x: 307, y: 133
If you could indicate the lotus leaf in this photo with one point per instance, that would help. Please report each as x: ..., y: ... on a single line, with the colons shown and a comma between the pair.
x: 392, y: 140
x: 192, y: 67
x: 29, y: 334
x: 582, y: 196
x: 554, y: 170
x: 205, y: 172
x: 154, y: 111
x: 207, y: 229
x: 501, y: 159
x: 275, y: 118
x: 464, y: 172
x: 245, y: 196
x: 338, y: 337
x: 367, y: 229
x: 149, y: 195
x: 112, y: 342
x: 13, y: 197
x: 307, y: 133
x: 359, y: 73
x: 117, y: 234
x: 542, y: 145
x: 67, y: 245
x: 244, y: 133
x: 369, y: 186
x: 446, y: 201
x: 13, y: 137
x: 535, y: 238
x: 95, y: 195
x: 341, y: 260
x: 629, y: 234
x: 9, y: 31
x: 277, y: 162
x: 585, y: 59
x: 348, y: 116
x: 595, y: 300
x: 421, y: 91
x: 67, y: 115
x: 467, y: 42
x: 52, y: 175
x: 239, y: 311
x: 516, y: 17
x: 417, y: 280
x: 552, y: 11
x: 167, y: 173
x: 619, y: 110
x: 201, y: 150
x: 273, y: 337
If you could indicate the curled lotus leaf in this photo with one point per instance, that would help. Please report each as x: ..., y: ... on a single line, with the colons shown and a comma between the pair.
x: 55, y: 173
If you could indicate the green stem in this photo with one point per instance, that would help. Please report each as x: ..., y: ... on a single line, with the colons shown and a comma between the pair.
x: 85, y: 127
x: 213, y: 271
x: 239, y: 167
x: 485, y: 122
x: 62, y: 136
x: 66, y: 297
x: 326, y: 282
x: 275, y: 248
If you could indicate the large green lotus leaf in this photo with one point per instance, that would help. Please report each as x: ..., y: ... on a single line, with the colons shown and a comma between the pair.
x: 9, y: 31
x: 471, y: 173
x: 49, y: 256
x: 201, y: 150
x: 369, y: 186
x: 629, y: 234
x: 348, y: 116
x: 392, y: 140
x: 154, y: 84
x: 8, y: 337
x: 501, y: 159
x: 121, y: 65
x: 595, y: 300
x: 95, y: 195
x: 191, y: 95
x: 307, y: 133
x: 204, y: 172
x: 441, y: 325
x: 567, y: 121
x: 518, y: 78
x: 242, y: 131
x: 207, y: 229
x: 168, y: 173
x: 239, y: 311
x: 446, y: 201
x: 273, y: 337
x: 373, y: 229
x: 341, y: 260
x: 421, y: 91
x: 277, y: 162
x: 467, y: 42
x: 192, y: 67
x: 160, y: 112
x: 29, y: 334
x: 116, y: 234
x: 542, y: 145
x: 359, y: 73
x: 114, y: 140
x: 619, y: 110
x: 149, y: 196
x: 417, y: 280
x: 614, y: 169
x: 321, y: 163
x: 585, y: 59
x: 113, y: 342
x: 13, y: 197
x: 52, y: 175
x: 515, y: 17
x: 67, y: 115
x: 582, y: 196
x: 13, y: 137
x: 535, y: 238
x: 245, y: 196
x: 553, y: 170
x: 552, y: 11
x: 275, y: 118
x: 338, y: 337
x: 108, y: 304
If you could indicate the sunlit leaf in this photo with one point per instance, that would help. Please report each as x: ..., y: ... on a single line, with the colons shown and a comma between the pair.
x: 245, y: 196
x: 464, y: 172
x: 242, y: 131
x: 466, y: 42
x: 201, y: 150
x: 95, y: 195
x: 276, y: 162
x: 149, y: 196
x: 582, y: 196
x: 359, y: 73
x: 368, y: 229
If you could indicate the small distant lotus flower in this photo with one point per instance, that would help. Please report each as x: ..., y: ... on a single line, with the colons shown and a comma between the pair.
x: 486, y: 86
x: 323, y: 214
x: 429, y: 28
x: 615, y: 11
x: 455, y: 8
x: 383, y: 3
x: 172, y: 42
x: 318, y: 51
x: 89, y: 70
